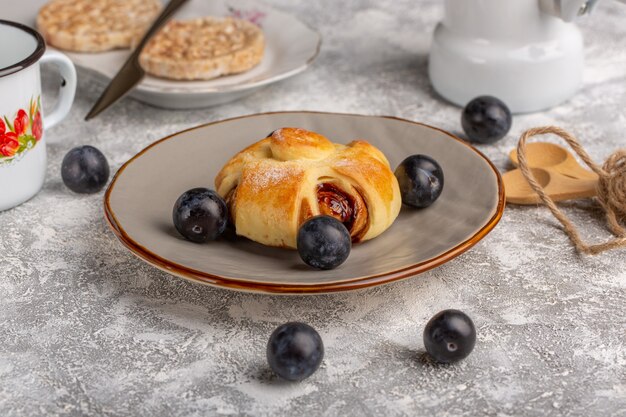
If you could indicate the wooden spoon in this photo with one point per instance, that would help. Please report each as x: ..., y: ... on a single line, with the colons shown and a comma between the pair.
x: 558, y: 186
x: 555, y: 157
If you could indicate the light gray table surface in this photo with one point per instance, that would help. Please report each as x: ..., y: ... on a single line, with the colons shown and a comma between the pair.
x: 88, y: 329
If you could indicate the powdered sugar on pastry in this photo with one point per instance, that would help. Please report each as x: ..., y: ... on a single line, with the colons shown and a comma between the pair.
x: 271, y: 176
x: 204, y: 48
x: 95, y: 25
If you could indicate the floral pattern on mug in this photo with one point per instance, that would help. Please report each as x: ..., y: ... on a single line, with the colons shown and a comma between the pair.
x: 23, y: 133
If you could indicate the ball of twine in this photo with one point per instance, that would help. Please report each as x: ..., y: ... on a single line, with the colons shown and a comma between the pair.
x: 612, y: 184
x: 611, y: 190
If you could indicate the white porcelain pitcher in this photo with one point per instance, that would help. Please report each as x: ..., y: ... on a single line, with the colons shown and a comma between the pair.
x: 528, y: 53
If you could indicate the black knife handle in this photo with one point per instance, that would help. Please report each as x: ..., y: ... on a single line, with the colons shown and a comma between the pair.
x: 167, y: 12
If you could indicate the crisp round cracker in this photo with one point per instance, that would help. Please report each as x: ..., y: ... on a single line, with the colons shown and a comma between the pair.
x: 203, y: 48
x: 95, y: 25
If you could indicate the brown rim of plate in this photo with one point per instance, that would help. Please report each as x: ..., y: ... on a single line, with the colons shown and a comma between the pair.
x: 353, y: 284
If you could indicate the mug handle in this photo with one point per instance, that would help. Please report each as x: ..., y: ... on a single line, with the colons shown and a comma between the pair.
x: 67, y: 89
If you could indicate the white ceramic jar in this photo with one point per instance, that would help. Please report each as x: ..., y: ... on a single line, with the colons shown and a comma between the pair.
x: 22, y: 123
x: 521, y: 51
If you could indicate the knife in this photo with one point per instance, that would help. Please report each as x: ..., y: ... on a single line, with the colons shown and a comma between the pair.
x: 131, y: 72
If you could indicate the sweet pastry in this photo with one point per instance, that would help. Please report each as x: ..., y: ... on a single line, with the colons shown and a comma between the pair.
x: 95, y: 25
x: 273, y: 186
x: 204, y: 48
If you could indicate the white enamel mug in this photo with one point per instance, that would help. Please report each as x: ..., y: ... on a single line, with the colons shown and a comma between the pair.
x: 22, y: 123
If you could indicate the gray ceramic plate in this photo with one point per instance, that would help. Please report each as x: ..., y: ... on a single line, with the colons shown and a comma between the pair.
x: 290, y: 47
x: 139, y: 201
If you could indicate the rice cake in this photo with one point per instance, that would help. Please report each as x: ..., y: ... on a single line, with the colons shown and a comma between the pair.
x: 95, y: 25
x: 203, y: 48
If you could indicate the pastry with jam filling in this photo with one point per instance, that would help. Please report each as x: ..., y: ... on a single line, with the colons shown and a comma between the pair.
x: 276, y: 184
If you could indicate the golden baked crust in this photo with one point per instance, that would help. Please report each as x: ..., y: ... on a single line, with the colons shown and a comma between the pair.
x: 273, y: 186
x: 204, y: 48
x: 95, y: 25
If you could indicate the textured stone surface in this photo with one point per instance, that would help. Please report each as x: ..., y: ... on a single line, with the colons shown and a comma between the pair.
x: 88, y: 329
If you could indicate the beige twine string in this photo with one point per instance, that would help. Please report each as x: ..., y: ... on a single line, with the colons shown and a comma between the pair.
x: 611, y: 189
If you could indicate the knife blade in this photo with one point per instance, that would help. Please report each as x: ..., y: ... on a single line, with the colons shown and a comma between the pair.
x: 131, y: 72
